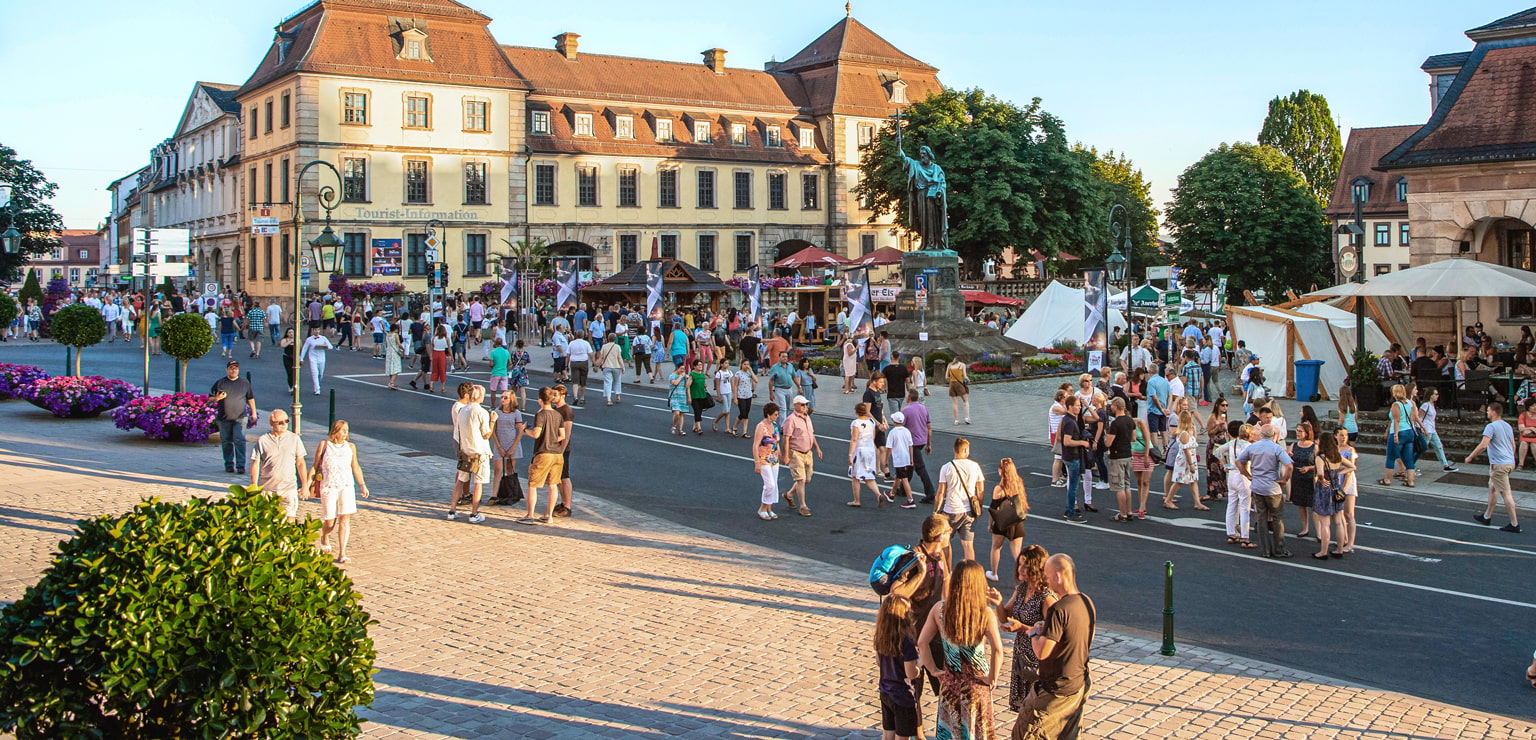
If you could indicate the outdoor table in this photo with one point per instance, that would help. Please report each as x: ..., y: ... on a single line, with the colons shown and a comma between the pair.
x: 1509, y: 378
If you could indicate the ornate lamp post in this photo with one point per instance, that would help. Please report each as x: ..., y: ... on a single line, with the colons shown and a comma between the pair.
x: 325, y: 247
x: 1117, y: 262
x: 11, y: 238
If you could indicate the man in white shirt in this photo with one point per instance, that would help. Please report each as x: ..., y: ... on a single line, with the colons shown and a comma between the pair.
x: 580, y: 352
x: 899, y: 441
x: 959, y: 480
x: 110, y: 313
x: 274, y: 320
x: 793, y: 323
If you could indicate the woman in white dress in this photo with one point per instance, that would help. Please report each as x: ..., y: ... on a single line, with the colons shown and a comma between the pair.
x: 392, y: 354
x: 861, y: 454
x: 340, y: 476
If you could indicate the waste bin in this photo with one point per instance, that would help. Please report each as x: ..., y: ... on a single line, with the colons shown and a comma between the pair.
x: 1307, y: 372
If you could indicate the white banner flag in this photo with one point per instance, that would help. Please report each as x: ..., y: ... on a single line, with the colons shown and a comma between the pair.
x: 566, y: 278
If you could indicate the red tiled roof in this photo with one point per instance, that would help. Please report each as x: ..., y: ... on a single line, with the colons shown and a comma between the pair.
x: 850, y: 41
x: 361, y: 38
x: 1362, y: 151
x: 1487, y: 115
x: 562, y: 139
x: 654, y: 82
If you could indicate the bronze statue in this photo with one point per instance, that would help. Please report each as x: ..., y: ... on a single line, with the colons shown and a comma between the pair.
x: 927, y: 197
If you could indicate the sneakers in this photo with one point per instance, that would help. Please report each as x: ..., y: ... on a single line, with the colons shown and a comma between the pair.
x: 1101, y: 486
x: 1073, y: 517
x: 991, y: 576
x: 1515, y: 528
x: 909, y: 505
x: 476, y: 519
x: 1090, y: 507
x: 453, y: 516
x: 1480, y: 519
x: 561, y: 510
x: 1449, y: 468
x: 1058, y: 484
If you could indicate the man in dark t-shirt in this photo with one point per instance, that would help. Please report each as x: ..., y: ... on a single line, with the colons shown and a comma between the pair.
x: 896, y: 375
x: 236, y: 406
x: 1054, y: 709
x: 549, y: 444
x: 1117, y: 439
x: 1072, y: 448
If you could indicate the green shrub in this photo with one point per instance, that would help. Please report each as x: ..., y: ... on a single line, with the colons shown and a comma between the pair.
x: 78, y: 326
x: 31, y: 289
x: 936, y: 356
x: 8, y: 310
x: 1364, y: 370
x: 186, y: 337
x: 209, y: 619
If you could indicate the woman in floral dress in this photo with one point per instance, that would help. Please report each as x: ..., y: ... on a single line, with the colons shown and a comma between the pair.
x: 965, y: 624
x: 518, y: 372
x: 392, y: 354
x: 1215, y: 471
x: 1031, y: 599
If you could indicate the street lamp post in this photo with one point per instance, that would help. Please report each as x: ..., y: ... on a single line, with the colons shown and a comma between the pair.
x: 325, y: 247
x: 11, y: 238
x: 1356, y: 233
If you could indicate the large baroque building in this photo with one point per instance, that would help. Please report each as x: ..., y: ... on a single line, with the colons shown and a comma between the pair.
x: 426, y: 117
x: 1471, y: 173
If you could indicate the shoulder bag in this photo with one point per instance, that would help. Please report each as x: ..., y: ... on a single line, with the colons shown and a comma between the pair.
x: 970, y: 494
x: 1005, y: 512
x: 314, y: 480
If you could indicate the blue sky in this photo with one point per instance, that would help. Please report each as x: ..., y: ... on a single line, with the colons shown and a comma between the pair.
x: 92, y: 85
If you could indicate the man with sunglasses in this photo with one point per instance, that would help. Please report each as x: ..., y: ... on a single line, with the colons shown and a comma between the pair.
x: 277, y: 463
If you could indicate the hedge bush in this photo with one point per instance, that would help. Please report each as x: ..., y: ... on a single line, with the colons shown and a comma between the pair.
x: 208, y: 619
x: 8, y: 310
x: 186, y: 337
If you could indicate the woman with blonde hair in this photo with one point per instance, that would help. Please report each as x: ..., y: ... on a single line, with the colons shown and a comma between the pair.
x: 1032, y: 598
x: 917, y: 378
x: 959, y: 389
x: 1009, y: 508
x: 338, y: 474
x: 965, y: 625
x: 1186, y: 463
x: 1401, y: 419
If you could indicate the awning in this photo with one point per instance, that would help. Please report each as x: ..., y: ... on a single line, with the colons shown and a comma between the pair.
x: 985, y: 298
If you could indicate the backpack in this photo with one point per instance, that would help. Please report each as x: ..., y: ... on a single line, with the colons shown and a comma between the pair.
x: 889, y: 567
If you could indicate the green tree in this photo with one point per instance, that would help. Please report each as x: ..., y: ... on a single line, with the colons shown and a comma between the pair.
x: 78, y: 326
x: 1243, y: 211
x: 39, y: 225
x: 1301, y: 126
x: 186, y: 337
x: 1013, y: 177
x: 205, y: 619
x: 8, y: 310
x: 31, y: 289
x: 1120, y: 181
x: 529, y: 255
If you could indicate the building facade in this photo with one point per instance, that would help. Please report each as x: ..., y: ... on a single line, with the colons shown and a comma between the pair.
x: 1383, y: 199
x: 77, y: 260
x: 1471, y: 173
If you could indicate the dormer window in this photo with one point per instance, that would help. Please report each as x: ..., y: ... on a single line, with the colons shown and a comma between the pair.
x: 583, y: 125
x: 896, y: 92
x: 1360, y: 190
x: 624, y: 127
x: 1402, y: 190
x: 413, y: 46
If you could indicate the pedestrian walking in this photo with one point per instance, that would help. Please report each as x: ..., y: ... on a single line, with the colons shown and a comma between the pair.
x: 959, y: 390
x: 805, y: 380
x: 896, y: 655
x: 472, y: 430
x: 392, y: 355
x: 1427, y: 417
x: 898, y: 445
x: 678, y: 399
x: 1006, y: 514
x: 507, y: 449
x: 1266, y: 465
x: 277, y: 464
x: 1062, y: 641
x: 289, y: 345
x: 1216, y: 436
x: 1032, y: 597
x: 1499, y: 440
x: 256, y: 329
x: 861, y: 454
x: 501, y: 367
x: 800, y: 438
x: 228, y: 330
x: 441, y: 343
x: 698, y: 395
x: 313, y: 353
x: 781, y: 381
x: 1402, y: 417
x: 918, y: 377
x: 965, y: 625
x: 744, y: 383
x: 723, y: 389
x: 766, y: 452
x: 235, y: 410
x: 1073, y: 452
x: 959, y: 495
x: 338, y: 479
x: 920, y: 425
x: 610, y: 361
x: 517, y: 373
x: 579, y: 350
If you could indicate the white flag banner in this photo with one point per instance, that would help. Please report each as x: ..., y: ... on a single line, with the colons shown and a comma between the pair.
x: 508, y: 284
x: 566, y: 279
x: 856, y: 293
x: 653, y: 273
x: 754, y: 293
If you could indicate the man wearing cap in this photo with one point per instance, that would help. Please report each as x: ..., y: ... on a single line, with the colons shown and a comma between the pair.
x: 1253, y: 362
x: 236, y: 404
x: 800, y: 434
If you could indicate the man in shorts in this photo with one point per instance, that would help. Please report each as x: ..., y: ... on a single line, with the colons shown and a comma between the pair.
x: 548, y: 432
x: 567, y: 423
x: 277, y: 464
x: 959, y: 480
x: 501, y: 363
x: 800, y: 436
x: 1159, y: 395
x: 1122, y: 429
x: 561, y: 343
x: 899, y: 441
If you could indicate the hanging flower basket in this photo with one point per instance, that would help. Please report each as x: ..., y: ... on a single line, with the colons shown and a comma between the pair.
x: 177, y: 417
x: 72, y: 397
x: 13, y: 378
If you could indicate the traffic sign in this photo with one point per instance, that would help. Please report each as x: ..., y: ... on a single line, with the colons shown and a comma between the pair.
x: 304, y: 261
x: 930, y: 270
x: 920, y: 283
x: 263, y: 220
x: 304, y: 276
x: 210, y: 288
x: 432, y: 241
x: 922, y: 298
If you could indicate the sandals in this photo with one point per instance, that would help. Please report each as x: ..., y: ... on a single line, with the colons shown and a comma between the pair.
x: 804, y: 511
x: 1246, y: 545
x: 1232, y: 539
x: 1384, y: 483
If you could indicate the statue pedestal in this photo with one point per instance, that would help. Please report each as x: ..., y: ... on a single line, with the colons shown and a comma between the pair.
x: 942, y: 321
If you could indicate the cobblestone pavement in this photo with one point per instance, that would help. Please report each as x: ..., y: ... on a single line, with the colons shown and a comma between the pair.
x: 618, y: 624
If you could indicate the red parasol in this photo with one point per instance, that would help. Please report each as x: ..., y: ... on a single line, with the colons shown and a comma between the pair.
x: 809, y: 257
x: 989, y: 299
x: 881, y: 256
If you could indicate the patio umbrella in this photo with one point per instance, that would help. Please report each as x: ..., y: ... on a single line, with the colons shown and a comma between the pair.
x: 989, y: 299
x: 881, y: 256
x: 809, y: 257
x: 1452, y: 278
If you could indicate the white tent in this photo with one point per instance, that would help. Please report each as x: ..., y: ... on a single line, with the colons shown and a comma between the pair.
x: 1056, y: 314
x: 1313, y: 332
x: 1117, y: 300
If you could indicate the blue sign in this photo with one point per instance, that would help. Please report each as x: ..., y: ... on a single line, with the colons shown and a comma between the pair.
x: 930, y: 270
x: 920, y: 282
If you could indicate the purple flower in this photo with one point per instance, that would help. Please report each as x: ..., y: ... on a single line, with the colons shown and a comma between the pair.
x: 13, y: 378
x: 179, y: 417
x: 71, y: 396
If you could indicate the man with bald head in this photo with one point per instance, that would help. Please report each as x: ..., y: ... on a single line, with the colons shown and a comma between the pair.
x: 1266, y: 466
x: 1054, y: 707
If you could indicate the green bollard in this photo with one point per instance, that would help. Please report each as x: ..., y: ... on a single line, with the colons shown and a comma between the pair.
x: 1168, y: 648
x: 69, y: 360
x: 176, y: 383
x: 333, y: 411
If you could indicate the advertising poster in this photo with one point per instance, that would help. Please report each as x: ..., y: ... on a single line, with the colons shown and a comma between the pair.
x: 567, y: 276
x: 861, y: 313
x: 388, y: 257
x: 653, y: 276
x: 1095, y: 318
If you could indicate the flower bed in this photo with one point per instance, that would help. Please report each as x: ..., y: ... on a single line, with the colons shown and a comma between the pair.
x: 178, y: 417
x: 71, y: 397
x: 13, y: 378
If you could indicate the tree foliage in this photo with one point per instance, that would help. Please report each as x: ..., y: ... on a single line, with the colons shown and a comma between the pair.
x: 33, y: 216
x: 1013, y: 178
x: 31, y: 289
x: 8, y: 310
x: 1243, y: 211
x: 186, y: 337
x: 529, y: 255
x: 78, y: 326
x: 208, y: 619
x: 1301, y: 126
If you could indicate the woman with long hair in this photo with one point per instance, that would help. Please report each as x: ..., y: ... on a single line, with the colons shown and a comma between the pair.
x: 392, y: 354
x: 959, y: 389
x: 1008, y: 493
x: 1347, y: 411
x: 1216, y: 434
x: 506, y: 446
x: 1304, y: 458
x: 1032, y: 598
x: 1141, y: 466
x: 896, y: 653
x: 339, y: 476
x: 677, y: 398
x: 965, y: 625
x: 287, y: 344
x: 698, y: 395
x: 765, y: 460
x: 1427, y: 415
x: 861, y: 454
x: 917, y: 380
x: 1401, y: 418
x: 1327, y: 514
x: 440, y: 344
x: 849, y: 365
x: 1349, y: 468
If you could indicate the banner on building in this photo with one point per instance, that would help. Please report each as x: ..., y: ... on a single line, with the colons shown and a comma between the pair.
x: 754, y: 294
x: 861, y: 311
x: 1095, y: 318
x: 653, y: 276
x: 567, y: 277
x: 1221, y: 292
x: 387, y: 257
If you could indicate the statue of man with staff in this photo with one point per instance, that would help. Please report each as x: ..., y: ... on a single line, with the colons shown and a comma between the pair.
x: 927, y: 197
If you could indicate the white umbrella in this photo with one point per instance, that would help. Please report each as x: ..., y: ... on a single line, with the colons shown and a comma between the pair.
x: 1452, y: 278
